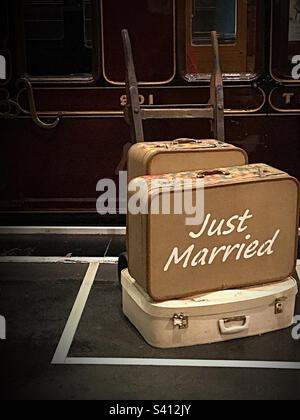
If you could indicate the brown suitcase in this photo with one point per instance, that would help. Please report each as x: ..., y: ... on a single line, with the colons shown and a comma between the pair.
x: 182, y: 155
x: 248, y: 237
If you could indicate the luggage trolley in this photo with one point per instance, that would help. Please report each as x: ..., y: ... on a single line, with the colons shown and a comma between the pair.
x: 135, y: 113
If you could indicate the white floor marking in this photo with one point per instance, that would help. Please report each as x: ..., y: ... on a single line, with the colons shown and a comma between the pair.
x: 63, y: 348
x: 233, y: 364
x: 75, y: 316
x: 55, y: 260
x: 62, y: 230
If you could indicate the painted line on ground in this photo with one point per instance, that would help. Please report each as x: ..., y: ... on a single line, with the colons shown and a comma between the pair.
x: 61, y: 260
x: 65, y: 343
x: 70, y: 260
x: 67, y: 337
x: 63, y: 230
x: 232, y: 364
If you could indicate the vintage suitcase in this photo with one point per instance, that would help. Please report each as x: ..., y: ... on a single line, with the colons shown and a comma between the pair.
x: 248, y: 235
x: 182, y: 155
x: 212, y: 317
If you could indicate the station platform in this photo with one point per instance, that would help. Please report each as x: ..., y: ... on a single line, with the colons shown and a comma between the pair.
x: 68, y: 339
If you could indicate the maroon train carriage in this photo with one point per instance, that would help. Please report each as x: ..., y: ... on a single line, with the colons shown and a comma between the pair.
x: 62, y: 95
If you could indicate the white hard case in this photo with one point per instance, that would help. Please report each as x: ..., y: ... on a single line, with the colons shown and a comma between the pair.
x: 212, y: 317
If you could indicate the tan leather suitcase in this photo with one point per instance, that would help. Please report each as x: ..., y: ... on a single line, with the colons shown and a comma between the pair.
x: 212, y: 317
x: 248, y: 236
x: 182, y: 155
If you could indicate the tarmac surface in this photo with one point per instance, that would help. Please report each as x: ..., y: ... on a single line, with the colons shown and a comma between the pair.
x: 62, y: 245
x: 36, y: 300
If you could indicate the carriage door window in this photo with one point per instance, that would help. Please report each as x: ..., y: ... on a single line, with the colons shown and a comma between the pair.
x: 239, y: 24
x: 209, y: 15
x: 58, y: 37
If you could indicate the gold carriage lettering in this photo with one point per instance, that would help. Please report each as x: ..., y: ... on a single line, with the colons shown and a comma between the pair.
x: 149, y: 99
x: 247, y: 249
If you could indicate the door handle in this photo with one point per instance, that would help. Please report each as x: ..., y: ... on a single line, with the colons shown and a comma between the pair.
x: 242, y: 324
x: 32, y: 106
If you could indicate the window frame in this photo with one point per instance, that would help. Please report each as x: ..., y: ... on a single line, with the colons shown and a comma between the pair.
x: 63, y: 79
x: 142, y: 83
x: 185, y: 35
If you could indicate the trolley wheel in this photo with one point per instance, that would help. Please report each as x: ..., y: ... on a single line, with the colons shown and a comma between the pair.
x: 122, y: 264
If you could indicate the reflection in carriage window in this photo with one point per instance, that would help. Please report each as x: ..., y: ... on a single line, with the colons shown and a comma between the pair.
x: 239, y: 26
x: 3, y: 25
x: 87, y: 20
x: 58, y: 36
x: 294, y: 25
x: 214, y: 15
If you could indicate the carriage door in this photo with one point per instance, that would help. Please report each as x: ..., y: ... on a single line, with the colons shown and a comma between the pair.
x: 46, y: 138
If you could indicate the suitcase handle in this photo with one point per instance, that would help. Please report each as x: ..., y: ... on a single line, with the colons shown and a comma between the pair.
x: 200, y: 143
x: 235, y: 329
x: 203, y: 174
x: 187, y: 141
x: 181, y: 142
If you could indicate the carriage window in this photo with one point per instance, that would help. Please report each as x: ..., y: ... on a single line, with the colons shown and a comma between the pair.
x: 239, y: 24
x: 152, y: 31
x: 209, y: 15
x: 58, y: 37
x: 286, y: 42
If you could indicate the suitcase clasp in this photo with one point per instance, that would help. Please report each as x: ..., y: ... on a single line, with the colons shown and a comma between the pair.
x: 181, y: 321
x: 279, y: 306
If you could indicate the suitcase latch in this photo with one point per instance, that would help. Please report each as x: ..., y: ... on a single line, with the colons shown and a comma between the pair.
x: 181, y: 321
x: 279, y: 306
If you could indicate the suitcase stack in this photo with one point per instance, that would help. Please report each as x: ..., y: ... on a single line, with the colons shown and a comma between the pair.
x: 227, y: 277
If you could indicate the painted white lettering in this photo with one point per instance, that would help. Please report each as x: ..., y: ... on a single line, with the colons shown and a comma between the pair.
x: 246, y: 216
x: 269, y: 246
x: 241, y: 250
x: 230, y: 225
x: 212, y: 231
x: 251, y: 250
x: 204, y: 226
x: 200, y: 258
x: 230, y: 249
x: 177, y: 259
x: 215, y: 253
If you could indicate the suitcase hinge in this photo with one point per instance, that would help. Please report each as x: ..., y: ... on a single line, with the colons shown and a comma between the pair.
x: 181, y: 321
x: 279, y: 306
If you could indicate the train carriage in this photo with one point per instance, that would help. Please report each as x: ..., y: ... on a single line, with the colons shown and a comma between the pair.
x: 62, y: 92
